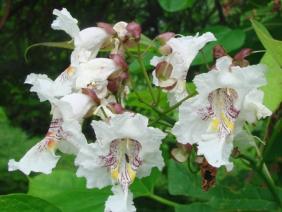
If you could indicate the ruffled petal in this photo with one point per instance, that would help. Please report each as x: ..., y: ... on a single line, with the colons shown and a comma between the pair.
x: 216, y: 151
x: 91, y: 167
x: 46, y: 88
x: 73, y: 138
x: 225, y: 76
x: 253, y: 109
x: 40, y: 158
x: 190, y: 126
x: 120, y: 201
x: 65, y: 22
x: 74, y: 106
x: 96, y: 70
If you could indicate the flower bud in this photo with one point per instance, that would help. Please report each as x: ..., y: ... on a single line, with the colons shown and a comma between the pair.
x: 164, y: 37
x: 163, y: 70
x: 113, y: 85
x: 119, y: 60
x: 134, y: 29
x: 241, y: 55
x: 116, y: 108
x: 218, y: 51
x: 107, y: 27
x: 165, y: 50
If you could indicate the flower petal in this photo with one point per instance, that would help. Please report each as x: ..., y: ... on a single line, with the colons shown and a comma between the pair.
x: 120, y: 202
x: 91, y: 167
x: 66, y: 22
x: 46, y: 88
x: 38, y: 159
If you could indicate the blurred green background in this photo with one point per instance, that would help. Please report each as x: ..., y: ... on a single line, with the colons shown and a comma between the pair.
x: 24, y: 120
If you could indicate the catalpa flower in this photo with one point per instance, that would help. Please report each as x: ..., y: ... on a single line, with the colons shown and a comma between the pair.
x: 64, y: 134
x: 125, y: 148
x: 94, y: 74
x: 171, y: 69
x: 87, y: 42
x: 227, y: 96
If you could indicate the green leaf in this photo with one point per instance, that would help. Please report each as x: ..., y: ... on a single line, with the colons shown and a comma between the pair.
x: 145, y: 186
x: 67, y: 192
x: 230, y: 39
x: 63, y: 45
x: 198, y: 207
x: 175, y: 5
x: 272, y: 91
x: 182, y: 182
x: 274, y: 47
x: 23, y: 202
x: 273, y: 148
x: 14, y: 143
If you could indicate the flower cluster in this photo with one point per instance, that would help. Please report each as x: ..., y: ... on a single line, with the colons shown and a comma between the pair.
x: 126, y: 146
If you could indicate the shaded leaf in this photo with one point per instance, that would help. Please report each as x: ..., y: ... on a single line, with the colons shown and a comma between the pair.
x: 23, y: 202
x: 175, y: 5
x: 67, y: 192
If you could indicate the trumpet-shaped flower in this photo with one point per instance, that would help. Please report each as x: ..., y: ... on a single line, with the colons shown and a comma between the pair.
x: 64, y: 133
x: 227, y: 96
x: 125, y: 148
x: 171, y: 70
x: 94, y: 74
x: 87, y: 42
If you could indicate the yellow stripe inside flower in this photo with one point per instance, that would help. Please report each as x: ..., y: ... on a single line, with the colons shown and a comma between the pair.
x: 123, y: 161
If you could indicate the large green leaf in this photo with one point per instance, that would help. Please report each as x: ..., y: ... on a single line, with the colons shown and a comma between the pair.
x: 272, y: 91
x: 274, y: 47
x: 183, y: 182
x: 14, y: 143
x: 145, y: 186
x: 23, y: 202
x: 175, y: 5
x: 67, y: 192
x: 230, y: 39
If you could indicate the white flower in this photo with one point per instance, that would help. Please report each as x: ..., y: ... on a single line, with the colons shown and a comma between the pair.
x: 87, y: 42
x: 120, y: 202
x: 125, y: 148
x: 94, y: 73
x: 183, y: 52
x: 64, y: 133
x: 227, y: 96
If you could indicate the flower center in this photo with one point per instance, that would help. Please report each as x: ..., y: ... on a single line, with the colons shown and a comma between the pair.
x: 123, y: 160
x: 221, y: 111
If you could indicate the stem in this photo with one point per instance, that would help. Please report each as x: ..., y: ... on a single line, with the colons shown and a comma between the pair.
x: 163, y: 200
x: 140, y: 61
x: 172, y: 108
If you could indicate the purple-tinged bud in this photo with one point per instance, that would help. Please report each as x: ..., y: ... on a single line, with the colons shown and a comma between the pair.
x: 165, y: 50
x: 107, y: 27
x: 123, y: 75
x: 113, y: 85
x: 116, y: 108
x: 241, y: 55
x: 92, y: 94
x: 218, y: 51
x: 163, y: 70
x: 164, y: 37
x: 119, y: 60
x: 134, y: 29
